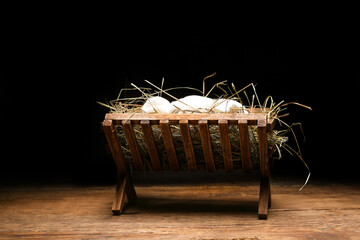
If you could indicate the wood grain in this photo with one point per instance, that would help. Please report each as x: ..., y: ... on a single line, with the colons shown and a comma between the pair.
x: 151, y: 146
x: 122, y: 168
x: 118, y: 202
x: 206, y: 145
x: 264, y: 198
x: 169, y: 144
x: 244, y: 145
x: 225, y: 144
x: 263, y: 147
x: 112, y: 139
x: 133, y: 144
x: 323, y: 210
x: 188, y: 146
x: 212, y: 119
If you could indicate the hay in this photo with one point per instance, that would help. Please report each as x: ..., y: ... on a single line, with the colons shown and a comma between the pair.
x: 277, y: 139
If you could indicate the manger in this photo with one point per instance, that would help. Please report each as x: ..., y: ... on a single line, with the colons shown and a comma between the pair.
x: 150, y: 133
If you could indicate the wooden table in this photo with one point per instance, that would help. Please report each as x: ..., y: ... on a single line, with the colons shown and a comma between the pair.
x: 224, y: 210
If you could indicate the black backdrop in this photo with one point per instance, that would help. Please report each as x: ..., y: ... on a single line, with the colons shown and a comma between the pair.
x: 50, y: 122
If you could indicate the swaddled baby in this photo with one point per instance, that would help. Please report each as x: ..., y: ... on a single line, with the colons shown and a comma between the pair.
x: 192, y: 103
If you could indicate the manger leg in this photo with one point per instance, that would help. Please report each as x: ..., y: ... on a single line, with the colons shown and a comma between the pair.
x: 269, y: 201
x: 118, y: 203
x: 124, y: 186
x: 130, y: 190
x: 264, y: 197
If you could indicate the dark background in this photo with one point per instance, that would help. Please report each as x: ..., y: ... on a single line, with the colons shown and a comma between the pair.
x: 50, y: 122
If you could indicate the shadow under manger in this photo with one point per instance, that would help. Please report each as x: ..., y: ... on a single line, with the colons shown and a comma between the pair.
x: 186, y: 205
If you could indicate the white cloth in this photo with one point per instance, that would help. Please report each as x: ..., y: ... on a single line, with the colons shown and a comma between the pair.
x: 192, y: 103
x: 157, y: 105
x: 227, y: 105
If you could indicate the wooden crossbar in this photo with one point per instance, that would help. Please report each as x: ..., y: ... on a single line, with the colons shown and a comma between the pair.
x: 193, y: 118
x: 183, y: 121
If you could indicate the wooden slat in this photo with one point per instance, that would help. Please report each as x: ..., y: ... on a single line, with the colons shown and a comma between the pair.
x: 206, y: 145
x: 151, y: 146
x: 225, y: 144
x: 263, y: 147
x: 192, y: 118
x: 133, y: 145
x: 265, y: 195
x: 169, y: 144
x: 245, y: 145
x: 188, y: 146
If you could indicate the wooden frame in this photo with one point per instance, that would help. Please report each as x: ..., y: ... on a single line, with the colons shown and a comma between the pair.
x: 125, y: 185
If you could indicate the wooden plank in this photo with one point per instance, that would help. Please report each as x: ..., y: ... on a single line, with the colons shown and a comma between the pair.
x: 265, y: 194
x: 323, y: 210
x: 133, y: 144
x: 225, y: 144
x: 264, y: 198
x: 169, y: 144
x: 263, y: 147
x: 151, y: 146
x: 191, y: 118
x: 188, y: 146
x: 245, y: 145
x: 206, y: 145
x: 118, y: 202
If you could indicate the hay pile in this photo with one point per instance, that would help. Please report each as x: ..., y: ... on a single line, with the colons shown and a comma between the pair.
x: 246, y: 97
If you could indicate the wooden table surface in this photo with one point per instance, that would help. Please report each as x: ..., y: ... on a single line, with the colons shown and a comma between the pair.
x: 223, y: 210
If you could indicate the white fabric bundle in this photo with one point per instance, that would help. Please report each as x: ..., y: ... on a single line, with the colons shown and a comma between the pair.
x: 192, y: 103
x: 157, y: 105
x: 227, y: 105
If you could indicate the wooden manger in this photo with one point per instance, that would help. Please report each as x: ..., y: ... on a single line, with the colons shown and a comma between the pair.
x: 203, y: 121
